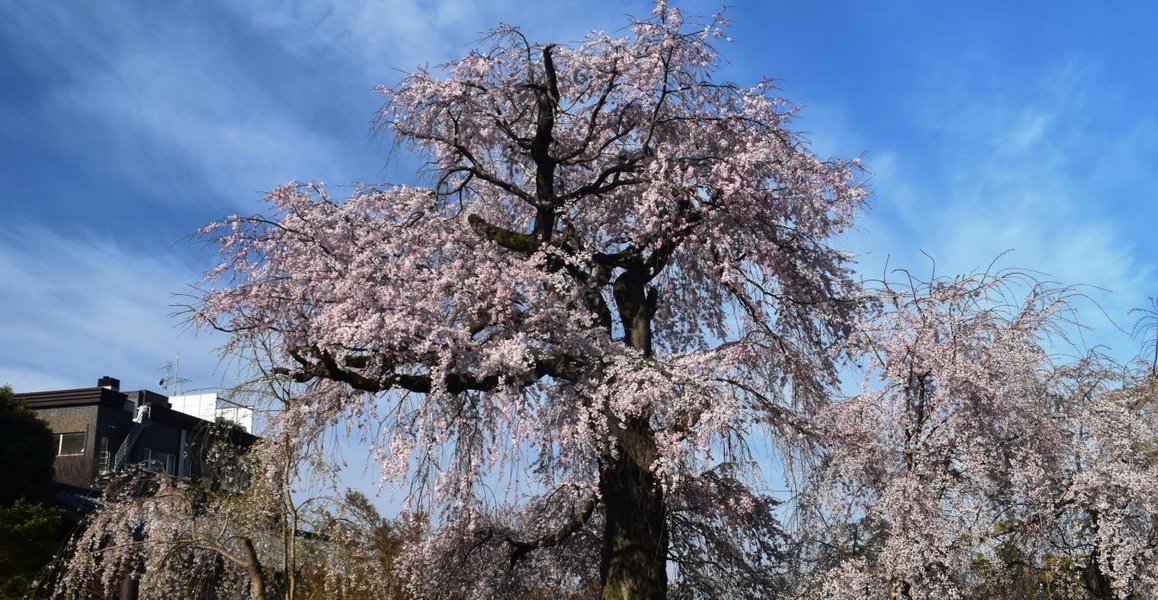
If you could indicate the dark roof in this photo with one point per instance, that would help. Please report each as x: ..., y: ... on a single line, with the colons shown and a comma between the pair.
x: 78, y: 397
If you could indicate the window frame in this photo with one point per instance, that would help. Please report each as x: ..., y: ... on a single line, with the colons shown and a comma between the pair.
x: 60, y: 443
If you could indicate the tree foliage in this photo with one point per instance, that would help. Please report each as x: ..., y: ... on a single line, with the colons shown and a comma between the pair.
x: 31, y: 527
x: 29, y: 535
x: 27, y: 452
x: 987, y: 464
x: 240, y: 533
x: 619, y: 270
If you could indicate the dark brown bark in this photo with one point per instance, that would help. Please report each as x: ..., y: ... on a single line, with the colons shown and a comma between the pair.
x: 1094, y: 577
x: 521, y: 548
x: 130, y: 588
x: 545, y: 201
x: 633, y: 564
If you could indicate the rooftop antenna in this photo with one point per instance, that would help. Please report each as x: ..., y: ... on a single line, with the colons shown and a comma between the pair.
x: 171, y: 380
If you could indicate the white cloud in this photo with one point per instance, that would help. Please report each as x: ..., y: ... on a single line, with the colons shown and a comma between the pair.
x: 207, y: 114
x: 383, y: 36
x: 77, y: 308
x: 161, y: 96
x: 1015, y: 174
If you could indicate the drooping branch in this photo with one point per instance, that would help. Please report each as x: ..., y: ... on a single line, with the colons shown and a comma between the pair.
x: 521, y: 548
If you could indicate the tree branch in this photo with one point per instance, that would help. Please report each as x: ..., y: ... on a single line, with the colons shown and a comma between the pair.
x: 511, y: 240
x: 541, y: 150
x: 328, y: 367
x: 520, y: 549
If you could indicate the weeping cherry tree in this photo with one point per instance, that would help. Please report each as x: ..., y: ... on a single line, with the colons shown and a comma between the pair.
x: 618, y: 271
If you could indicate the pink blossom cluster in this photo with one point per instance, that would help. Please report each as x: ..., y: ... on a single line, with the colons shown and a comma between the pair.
x: 972, y: 440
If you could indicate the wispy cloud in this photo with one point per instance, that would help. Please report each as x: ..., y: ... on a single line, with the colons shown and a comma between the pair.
x: 208, y: 117
x: 1014, y: 172
x: 165, y: 101
x: 77, y: 307
x: 382, y: 37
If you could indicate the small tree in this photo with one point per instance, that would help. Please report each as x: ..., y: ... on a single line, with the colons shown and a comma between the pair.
x: 619, y: 269
x: 1146, y: 328
x: 27, y: 452
x: 362, y: 548
x: 254, y: 526
x: 181, y: 538
x: 31, y: 527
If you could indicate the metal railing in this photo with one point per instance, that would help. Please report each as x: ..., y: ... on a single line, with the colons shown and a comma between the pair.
x: 140, y: 422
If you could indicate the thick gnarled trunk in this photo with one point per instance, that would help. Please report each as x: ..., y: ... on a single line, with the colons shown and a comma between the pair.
x: 633, y: 564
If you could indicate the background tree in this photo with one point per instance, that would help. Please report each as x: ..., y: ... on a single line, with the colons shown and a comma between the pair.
x: 164, y: 536
x: 367, y: 546
x: 1146, y: 329
x: 27, y: 453
x: 31, y: 526
x: 619, y: 270
x: 253, y: 528
x: 992, y: 466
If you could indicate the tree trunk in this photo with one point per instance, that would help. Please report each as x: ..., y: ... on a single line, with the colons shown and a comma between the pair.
x: 253, y: 565
x: 130, y: 588
x: 633, y: 564
x: 1094, y: 577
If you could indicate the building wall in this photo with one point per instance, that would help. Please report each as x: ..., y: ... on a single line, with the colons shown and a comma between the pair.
x: 171, y: 441
x: 202, y: 406
x: 114, y: 424
x: 210, y: 407
x: 160, y: 441
x: 80, y: 469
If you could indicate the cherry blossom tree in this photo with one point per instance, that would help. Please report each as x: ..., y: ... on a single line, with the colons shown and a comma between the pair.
x: 255, y: 529
x: 619, y: 270
x: 978, y: 461
x: 162, y: 536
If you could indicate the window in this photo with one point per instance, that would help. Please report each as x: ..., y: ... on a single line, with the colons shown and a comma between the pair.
x: 160, y: 462
x: 70, y: 444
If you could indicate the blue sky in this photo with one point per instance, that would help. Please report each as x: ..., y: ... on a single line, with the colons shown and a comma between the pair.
x: 125, y: 126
